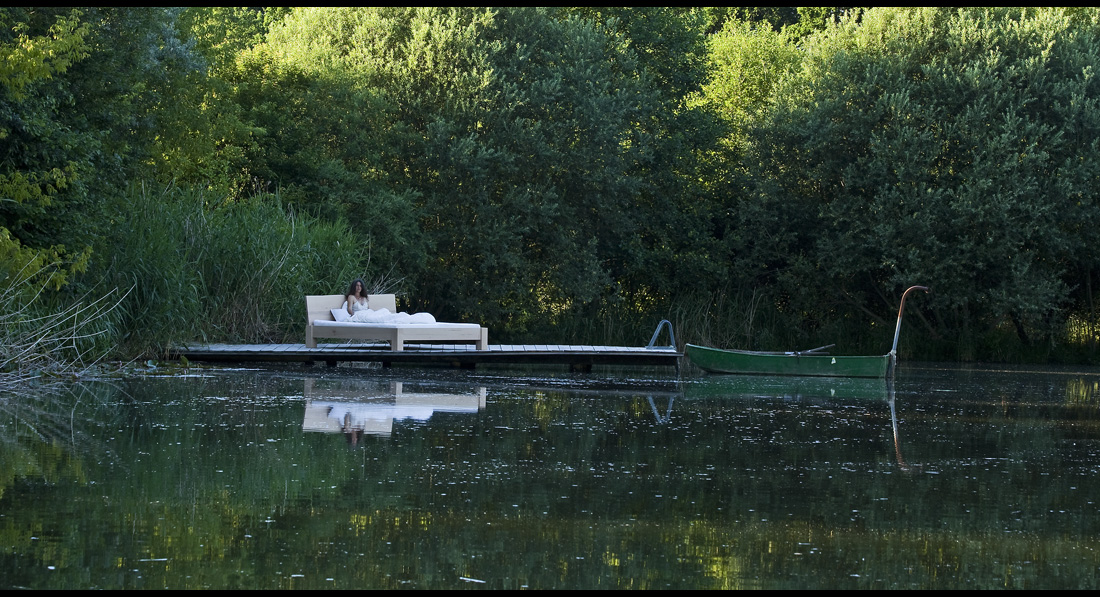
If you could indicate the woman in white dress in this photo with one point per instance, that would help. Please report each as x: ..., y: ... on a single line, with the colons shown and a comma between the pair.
x: 359, y: 312
x: 356, y: 297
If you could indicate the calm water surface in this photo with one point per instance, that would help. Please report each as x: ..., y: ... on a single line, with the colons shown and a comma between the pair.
x: 369, y: 478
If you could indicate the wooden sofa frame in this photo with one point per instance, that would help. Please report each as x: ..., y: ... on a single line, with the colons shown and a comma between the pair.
x: 320, y: 307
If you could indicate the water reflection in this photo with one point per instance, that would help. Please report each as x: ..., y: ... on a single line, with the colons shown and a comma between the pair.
x: 579, y: 481
x: 891, y: 394
x: 790, y: 387
x: 368, y: 407
x: 666, y: 416
x: 810, y: 390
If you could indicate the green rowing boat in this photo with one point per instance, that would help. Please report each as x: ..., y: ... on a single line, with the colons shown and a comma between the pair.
x: 808, y: 362
x: 717, y: 360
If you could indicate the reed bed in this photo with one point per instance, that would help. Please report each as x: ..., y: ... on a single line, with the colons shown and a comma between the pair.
x: 210, y: 270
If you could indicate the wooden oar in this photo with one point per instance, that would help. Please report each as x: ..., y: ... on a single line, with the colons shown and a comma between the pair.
x: 811, y: 352
x: 816, y: 349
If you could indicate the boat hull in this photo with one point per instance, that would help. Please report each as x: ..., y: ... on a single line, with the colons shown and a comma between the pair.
x: 716, y: 360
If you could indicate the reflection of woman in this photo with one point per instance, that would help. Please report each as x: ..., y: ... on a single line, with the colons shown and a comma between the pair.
x: 351, y: 432
x: 356, y: 297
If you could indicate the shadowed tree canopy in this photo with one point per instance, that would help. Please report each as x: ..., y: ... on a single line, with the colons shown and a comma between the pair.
x: 763, y: 176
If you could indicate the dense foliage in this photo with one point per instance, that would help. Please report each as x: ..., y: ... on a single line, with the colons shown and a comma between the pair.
x: 765, y: 178
x: 957, y: 148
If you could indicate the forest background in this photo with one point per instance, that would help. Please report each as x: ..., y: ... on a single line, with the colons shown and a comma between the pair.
x: 769, y: 178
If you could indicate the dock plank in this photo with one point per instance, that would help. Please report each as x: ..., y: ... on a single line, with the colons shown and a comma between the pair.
x: 583, y: 356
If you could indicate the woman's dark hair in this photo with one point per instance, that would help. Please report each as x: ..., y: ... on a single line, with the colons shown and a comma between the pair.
x: 351, y: 289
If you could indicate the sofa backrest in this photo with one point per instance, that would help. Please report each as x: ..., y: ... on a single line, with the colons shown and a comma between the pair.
x: 381, y: 301
x: 320, y: 306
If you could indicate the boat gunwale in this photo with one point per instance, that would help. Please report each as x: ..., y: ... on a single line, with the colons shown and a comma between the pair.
x: 787, y: 354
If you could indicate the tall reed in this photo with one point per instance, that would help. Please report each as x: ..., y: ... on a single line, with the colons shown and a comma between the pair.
x: 201, y: 268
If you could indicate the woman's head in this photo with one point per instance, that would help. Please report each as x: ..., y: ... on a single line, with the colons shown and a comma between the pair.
x: 357, y: 287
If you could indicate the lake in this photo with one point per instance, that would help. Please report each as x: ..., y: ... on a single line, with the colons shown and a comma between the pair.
x: 360, y: 477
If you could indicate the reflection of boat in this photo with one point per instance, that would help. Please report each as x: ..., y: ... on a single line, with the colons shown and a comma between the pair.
x: 807, y: 362
x: 813, y: 390
x: 786, y: 386
x: 894, y: 425
x: 371, y: 407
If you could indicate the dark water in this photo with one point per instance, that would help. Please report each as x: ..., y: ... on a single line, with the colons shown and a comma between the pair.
x: 425, y: 479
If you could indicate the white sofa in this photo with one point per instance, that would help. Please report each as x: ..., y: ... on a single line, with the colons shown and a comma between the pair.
x: 321, y: 324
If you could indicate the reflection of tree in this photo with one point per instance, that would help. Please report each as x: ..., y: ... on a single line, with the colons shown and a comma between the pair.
x: 43, y: 432
x: 45, y: 448
x: 214, y: 484
x: 1082, y: 390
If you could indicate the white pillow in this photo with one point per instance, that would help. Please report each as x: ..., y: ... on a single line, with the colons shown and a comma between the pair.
x: 341, y: 314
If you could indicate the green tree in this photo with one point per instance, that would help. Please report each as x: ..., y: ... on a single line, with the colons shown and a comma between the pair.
x: 42, y: 158
x: 78, y: 117
x: 324, y: 136
x: 672, y: 248
x: 202, y: 138
x: 508, y: 136
x: 746, y: 64
x: 953, y: 148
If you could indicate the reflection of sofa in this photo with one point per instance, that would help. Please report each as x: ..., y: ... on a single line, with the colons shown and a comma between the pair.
x: 320, y: 323
x: 368, y: 408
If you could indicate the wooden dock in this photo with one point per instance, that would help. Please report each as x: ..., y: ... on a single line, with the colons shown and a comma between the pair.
x: 577, y: 357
